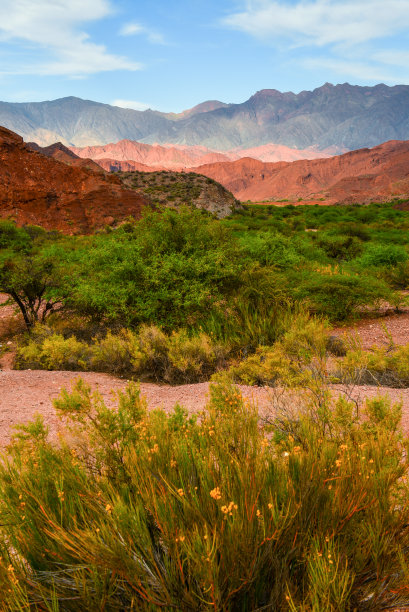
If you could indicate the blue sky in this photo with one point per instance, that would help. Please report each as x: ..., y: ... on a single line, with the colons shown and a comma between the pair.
x: 172, y: 54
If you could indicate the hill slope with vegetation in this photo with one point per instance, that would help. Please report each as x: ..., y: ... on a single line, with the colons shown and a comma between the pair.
x: 174, y: 189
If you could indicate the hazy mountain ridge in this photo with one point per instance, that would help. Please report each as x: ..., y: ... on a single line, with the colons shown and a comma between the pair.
x: 344, y: 116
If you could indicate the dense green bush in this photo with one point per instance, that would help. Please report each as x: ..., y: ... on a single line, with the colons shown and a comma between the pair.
x: 383, y: 255
x: 341, y: 248
x: 339, y: 296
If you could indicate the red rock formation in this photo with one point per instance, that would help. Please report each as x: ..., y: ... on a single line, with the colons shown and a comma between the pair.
x: 39, y: 190
x: 358, y: 176
x: 178, y: 157
x: 62, y: 153
x: 169, y: 157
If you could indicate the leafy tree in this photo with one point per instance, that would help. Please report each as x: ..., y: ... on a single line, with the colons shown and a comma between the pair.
x: 33, y: 283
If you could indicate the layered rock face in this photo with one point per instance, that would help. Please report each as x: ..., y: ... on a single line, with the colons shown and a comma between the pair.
x: 380, y: 173
x: 36, y: 189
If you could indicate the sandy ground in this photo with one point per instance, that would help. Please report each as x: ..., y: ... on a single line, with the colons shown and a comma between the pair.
x: 25, y: 393
x: 379, y: 331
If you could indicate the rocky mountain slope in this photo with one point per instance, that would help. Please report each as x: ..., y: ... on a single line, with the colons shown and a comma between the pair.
x: 62, y: 153
x: 380, y: 173
x: 173, y: 189
x: 178, y: 157
x: 342, y: 116
x: 37, y: 189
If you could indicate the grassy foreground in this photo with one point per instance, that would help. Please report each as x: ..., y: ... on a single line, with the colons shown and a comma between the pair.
x: 149, y: 511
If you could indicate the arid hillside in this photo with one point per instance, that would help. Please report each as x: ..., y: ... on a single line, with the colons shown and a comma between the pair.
x: 173, y: 189
x: 129, y: 155
x: 381, y: 173
x: 40, y: 190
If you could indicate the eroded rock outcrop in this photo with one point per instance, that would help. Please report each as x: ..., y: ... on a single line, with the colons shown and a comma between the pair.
x: 41, y: 190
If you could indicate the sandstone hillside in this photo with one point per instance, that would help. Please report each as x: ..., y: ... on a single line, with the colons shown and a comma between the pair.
x: 380, y: 173
x: 37, y: 189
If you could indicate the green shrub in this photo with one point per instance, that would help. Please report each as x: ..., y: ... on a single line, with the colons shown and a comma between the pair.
x: 341, y: 248
x: 339, y: 296
x: 383, y: 255
x: 155, y: 510
x: 150, y: 353
x: 115, y: 353
x: 48, y: 351
x: 297, y: 359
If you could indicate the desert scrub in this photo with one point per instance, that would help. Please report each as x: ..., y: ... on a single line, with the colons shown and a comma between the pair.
x: 379, y: 366
x: 46, y: 350
x: 297, y: 359
x: 148, y: 510
x: 174, y: 358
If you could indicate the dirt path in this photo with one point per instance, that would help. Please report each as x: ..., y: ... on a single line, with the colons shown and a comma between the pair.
x: 379, y: 331
x: 24, y: 393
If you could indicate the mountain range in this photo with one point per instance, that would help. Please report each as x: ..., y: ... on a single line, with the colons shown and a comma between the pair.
x: 180, y: 157
x: 342, y: 117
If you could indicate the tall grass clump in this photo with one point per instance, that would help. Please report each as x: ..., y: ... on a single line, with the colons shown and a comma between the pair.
x: 148, y: 510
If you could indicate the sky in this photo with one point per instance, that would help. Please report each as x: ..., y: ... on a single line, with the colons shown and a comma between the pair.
x: 170, y: 55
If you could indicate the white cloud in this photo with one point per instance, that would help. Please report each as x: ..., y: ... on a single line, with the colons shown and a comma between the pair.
x: 133, y: 28
x: 322, y: 22
x: 129, y: 29
x: 55, y: 26
x: 140, y: 106
x: 353, y: 69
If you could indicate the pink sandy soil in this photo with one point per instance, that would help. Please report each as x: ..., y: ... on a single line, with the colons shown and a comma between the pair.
x: 25, y: 393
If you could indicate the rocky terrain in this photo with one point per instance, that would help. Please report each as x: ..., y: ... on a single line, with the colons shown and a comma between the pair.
x: 54, y: 188
x: 129, y: 155
x: 62, y: 153
x: 344, y: 117
x: 40, y: 190
x: 380, y: 173
x: 172, y: 189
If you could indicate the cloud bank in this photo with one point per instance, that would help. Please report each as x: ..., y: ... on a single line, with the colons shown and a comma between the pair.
x: 345, y: 35
x: 54, y: 28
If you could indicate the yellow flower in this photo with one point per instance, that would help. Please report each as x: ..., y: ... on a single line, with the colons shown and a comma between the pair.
x: 108, y: 508
x: 181, y: 492
x: 173, y: 463
x: 215, y: 493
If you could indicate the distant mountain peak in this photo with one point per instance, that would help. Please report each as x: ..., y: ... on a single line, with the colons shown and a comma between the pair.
x: 342, y: 116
